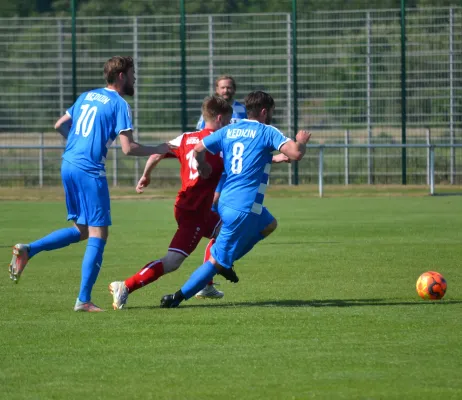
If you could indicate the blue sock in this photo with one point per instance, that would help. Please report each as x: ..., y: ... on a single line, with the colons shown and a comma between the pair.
x: 55, y: 240
x: 91, y: 265
x: 250, y: 245
x: 198, y: 279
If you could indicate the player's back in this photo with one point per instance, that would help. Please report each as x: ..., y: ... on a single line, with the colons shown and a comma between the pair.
x: 247, y: 154
x: 97, y: 118
x: 196, y: 194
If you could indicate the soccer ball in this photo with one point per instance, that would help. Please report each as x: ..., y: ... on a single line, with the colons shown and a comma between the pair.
x: 431, y: 286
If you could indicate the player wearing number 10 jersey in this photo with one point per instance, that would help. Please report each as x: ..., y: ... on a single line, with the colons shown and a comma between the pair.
x: 91, y: 125
x: 193, y: 206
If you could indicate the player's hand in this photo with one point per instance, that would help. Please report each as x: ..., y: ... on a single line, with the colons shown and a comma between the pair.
x: 303, y: 137
x: 142, y: 183
x: 204, y: 170
x: 280, y: 158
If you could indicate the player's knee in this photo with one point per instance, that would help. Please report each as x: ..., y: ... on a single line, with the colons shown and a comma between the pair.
x: 270, y: 228
x: 172, y: 261
x: 83, y: 229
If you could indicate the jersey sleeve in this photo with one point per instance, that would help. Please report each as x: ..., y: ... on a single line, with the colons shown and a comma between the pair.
x: 200, y: 124
x: 123, y: 117
x: 213, y: 143
x: 175, y: 142
x: 275, y: 138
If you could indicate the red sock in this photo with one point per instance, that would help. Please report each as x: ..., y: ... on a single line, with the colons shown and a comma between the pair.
x: 149, y: 273
x: 207, y: 255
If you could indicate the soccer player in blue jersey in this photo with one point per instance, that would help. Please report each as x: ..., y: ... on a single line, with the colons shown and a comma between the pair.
x: 247, y: 154
x: 91, y: 125
x: 225, y: 87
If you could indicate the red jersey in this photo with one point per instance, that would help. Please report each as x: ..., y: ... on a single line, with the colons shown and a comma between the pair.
x: 196, y: 194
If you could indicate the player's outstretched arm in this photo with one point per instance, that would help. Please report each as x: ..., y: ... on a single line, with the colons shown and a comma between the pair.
x: 63, y: 125
x: 132, y: 148
x: 145, y: 179
x: 295, y: 150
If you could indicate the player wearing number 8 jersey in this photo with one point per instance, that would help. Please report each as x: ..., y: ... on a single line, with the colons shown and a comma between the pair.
x: 193, y: 213
x: 91, y: 125
x: 247, y: 152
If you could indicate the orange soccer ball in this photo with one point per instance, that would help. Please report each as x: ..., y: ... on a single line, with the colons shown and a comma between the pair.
x: 431, y: 286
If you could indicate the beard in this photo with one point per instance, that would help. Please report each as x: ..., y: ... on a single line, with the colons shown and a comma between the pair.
x: 128, y: 89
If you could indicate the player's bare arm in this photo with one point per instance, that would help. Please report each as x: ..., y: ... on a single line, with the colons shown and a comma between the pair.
x: 132, y: 148
x: 295, y: 150
x: 63, y: 125
x: 203, y: 167
x: 145, y: 179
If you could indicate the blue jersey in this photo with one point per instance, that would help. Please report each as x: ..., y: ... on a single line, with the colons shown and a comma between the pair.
x: 98, y: 117
x: 247, y: 154
x: 239, y: 113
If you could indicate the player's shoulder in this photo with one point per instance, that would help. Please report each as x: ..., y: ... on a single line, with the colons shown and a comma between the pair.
x: 272, y: 128
x: 239, y: 107
x: 186, y: 138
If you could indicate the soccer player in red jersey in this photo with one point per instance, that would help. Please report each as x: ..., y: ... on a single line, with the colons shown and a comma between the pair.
x: 193, y: 204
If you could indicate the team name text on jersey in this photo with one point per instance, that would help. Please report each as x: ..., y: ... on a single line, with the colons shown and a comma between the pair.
x: 98, y: 97
x: 237, y: 133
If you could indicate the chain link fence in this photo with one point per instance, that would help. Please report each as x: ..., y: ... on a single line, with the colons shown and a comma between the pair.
x: 348, y: 86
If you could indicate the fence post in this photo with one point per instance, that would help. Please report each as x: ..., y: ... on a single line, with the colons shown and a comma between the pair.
x: 136, y: 98
x: 211, y: 73
x: 41, y: 157
x: 403, y: 93
x: 74, y: 48
x: 428, y: 136
x: 347, y: 157
x: 289, y: 89
x: 321, y: 168
x: 60, y: 66
x: 295, y: 83
x: 114, y: 166
x: 368, y: 77
x: 451, y: 96
x: 432, y: 170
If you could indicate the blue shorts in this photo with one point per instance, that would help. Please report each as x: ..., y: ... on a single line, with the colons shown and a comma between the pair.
x: 238, y: 229
x: 87, y: 197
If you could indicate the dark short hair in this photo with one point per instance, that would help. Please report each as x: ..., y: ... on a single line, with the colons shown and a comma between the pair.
x: 115, y: 65
x: 215, y: 105
x: 257, y: 101
x: 226, y: 77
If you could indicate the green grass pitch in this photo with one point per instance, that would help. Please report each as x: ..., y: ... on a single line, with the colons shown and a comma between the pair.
x: 326, y: 308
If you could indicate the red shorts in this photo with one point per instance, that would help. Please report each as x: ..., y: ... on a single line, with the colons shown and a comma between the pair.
x: 192, y: 227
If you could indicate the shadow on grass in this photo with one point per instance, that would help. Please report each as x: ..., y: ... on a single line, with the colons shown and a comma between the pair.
x: 311, y: 303
x: 447, y: 194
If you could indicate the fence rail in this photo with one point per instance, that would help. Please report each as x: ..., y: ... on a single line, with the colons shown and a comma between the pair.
x: 43, y: 163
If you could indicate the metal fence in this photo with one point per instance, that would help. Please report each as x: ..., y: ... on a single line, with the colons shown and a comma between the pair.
x: 349, y: 78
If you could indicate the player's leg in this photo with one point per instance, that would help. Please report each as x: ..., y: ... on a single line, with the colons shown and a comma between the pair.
x: 91, y: 266
x: 216, y: 197
x: 211, y: 230
x: 148, y: 274
x: 234, y: 234
x: 95, y: 211
x: 267, y: 224
x: 184, y: 242
x: 58, y: 239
